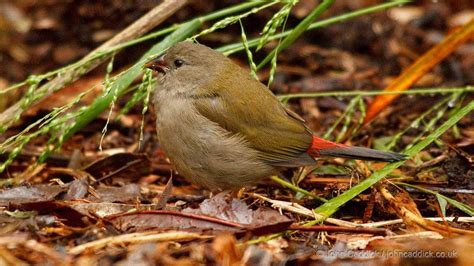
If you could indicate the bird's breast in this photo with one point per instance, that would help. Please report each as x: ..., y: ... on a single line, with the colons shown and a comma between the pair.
x: 204, y: 152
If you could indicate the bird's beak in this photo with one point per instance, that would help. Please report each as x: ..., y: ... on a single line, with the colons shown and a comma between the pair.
x: 157, y: 64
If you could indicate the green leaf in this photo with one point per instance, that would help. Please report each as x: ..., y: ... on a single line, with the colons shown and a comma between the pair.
x: 442, y: 204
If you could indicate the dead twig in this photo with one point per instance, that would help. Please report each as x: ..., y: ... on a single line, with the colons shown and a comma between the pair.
x: 298, y: 209
x: 329, y: 228
x: 147, y: 22
x: 434, y: 219
x: 135, y: 238
x: 412, y: 217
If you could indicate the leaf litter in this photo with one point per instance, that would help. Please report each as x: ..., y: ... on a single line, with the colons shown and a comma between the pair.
x: 119, y: 206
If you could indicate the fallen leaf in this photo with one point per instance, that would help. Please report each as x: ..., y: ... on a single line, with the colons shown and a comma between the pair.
x: 77, y: 189
x: 235, y: 211
x: 34, y: 193
x: 128, y: 193
x: 102, y: 209
x: 129, y: 166
x: 164, y: 219
x: 165, y: 195
x: 60, y: 209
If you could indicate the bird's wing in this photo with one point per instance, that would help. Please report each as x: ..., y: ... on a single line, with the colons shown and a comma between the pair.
x: 252, y: 111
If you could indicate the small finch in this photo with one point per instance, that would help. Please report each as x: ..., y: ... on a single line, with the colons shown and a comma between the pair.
x: 223, y: 129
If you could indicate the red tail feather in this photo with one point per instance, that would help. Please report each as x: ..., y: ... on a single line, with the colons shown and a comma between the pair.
x: 322, y: 144
x: 322, y: 147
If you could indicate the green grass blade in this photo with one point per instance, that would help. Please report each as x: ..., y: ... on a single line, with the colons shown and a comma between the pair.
x: 236, y: 47
x: 297, y: 31
x: 461, y: 206
x: 122, y: 82
x: 330, y: 207
x: 442, y: 90
x: 287, y: 184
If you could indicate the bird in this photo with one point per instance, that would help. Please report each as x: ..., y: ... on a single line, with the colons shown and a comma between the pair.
x: 223, y: 129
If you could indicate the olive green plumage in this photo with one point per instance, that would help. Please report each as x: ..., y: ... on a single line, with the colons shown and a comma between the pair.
x: 248, y: 108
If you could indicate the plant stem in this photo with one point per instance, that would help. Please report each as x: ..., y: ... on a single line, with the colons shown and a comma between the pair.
x: 122, y: 82
x: 330, y: 207
x: 296, y: 188
x: 463, y: 207
x: 139, y: 27
x: 236, y: 47
x: 286, y: 97
x: 297, y: 31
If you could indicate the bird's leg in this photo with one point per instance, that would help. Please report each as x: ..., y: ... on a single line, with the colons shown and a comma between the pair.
x: 238, y: 194
x: 230, y: 194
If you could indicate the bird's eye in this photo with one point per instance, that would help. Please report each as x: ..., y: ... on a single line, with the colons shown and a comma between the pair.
x: 178, y: 62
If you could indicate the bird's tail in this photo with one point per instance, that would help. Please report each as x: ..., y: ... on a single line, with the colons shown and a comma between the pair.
x: 322, y: 147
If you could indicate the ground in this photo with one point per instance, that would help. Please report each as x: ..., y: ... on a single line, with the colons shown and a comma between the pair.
x: 82, y: 204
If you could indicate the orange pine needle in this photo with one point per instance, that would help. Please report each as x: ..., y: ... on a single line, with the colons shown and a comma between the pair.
x: 421, y: 66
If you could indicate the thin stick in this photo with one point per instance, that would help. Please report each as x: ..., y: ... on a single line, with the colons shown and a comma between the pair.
x: 434, y: 219
x: 301, y: 210
x: 331, y: 228
x: 296, y: 188
x: 134, y: 238
x: 150, y: 20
